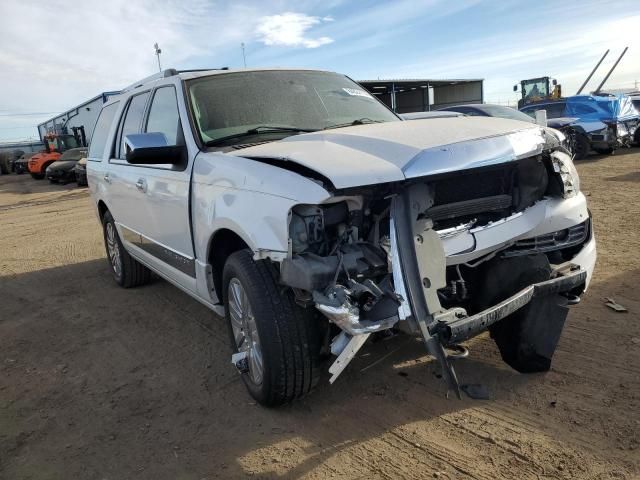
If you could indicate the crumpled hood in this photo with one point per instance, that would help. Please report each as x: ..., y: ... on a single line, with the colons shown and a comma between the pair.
x: 394, y: 151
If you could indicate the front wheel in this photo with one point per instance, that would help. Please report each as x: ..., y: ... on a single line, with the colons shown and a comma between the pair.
x: 127, y: 271
x: 281, y: 341
x: 604, y: 151
x: 580, y: 146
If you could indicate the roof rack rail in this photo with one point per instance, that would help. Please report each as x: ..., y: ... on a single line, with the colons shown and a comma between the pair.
x: 170, y: 72
x: 201, y: 70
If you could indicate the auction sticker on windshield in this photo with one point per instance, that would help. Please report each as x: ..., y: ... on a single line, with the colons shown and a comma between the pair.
x: 356, y: 92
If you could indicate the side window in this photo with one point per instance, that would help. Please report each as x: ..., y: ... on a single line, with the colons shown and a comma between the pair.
x: 555, y: 110
x: 581, y: 109
x: 132, y: 121
x: 529, y: 111
x: 101, y: 130
x: 164, y: 117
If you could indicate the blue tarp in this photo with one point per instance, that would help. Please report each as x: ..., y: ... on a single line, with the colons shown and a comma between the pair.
x: 600, y: 108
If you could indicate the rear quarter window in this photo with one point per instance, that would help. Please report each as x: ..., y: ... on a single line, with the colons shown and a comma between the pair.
x: 101, y: 131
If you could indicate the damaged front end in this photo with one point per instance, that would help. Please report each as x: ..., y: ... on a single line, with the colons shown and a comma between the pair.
x: 445, y: 256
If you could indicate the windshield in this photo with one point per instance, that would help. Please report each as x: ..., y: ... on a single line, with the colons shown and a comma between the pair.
x: 229, y: 104
x: 535, y: 88
x: 506, y: 112
x: 74, y: 154
x: 62, y: 143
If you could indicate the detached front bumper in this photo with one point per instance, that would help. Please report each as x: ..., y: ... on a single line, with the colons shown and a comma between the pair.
x: 462, y: 329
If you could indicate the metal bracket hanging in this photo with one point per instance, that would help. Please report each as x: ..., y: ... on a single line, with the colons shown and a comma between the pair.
x: 423, y: 262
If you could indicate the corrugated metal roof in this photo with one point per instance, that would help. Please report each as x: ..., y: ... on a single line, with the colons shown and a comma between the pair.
x: 430, y: 81
x: 91, y: 100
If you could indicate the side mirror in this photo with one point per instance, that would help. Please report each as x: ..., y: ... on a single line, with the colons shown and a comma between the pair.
x: 554, y: 82
x: 515, y: 88
x: 152, y: 148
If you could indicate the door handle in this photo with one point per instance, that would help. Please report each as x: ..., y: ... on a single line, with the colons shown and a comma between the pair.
x: 141, y: 185
x: 107, y: 178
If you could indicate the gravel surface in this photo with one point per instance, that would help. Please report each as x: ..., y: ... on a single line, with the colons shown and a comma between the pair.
x: 97, y: 382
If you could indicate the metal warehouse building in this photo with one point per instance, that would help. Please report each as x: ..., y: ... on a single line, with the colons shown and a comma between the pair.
x: 401, y: 95
x: 83, y: 115
x: 421, y: 95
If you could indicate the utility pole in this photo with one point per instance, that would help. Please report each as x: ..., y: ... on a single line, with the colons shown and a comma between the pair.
x: 244, y: 57
x: 158, y: 52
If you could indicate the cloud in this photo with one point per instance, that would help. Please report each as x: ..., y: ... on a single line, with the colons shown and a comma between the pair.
x: 289, y: 30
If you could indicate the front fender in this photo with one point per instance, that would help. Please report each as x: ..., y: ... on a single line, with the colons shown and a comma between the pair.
x: 250, y: 198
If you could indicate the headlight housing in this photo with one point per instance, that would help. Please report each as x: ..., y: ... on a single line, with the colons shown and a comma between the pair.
x: 566, y: 170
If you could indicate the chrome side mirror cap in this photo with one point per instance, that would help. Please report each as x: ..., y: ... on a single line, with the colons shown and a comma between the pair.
x: 152, y: 149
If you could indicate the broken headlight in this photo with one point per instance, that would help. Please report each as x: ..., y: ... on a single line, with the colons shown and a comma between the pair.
x: 622, y: 130
x: 566, y: 170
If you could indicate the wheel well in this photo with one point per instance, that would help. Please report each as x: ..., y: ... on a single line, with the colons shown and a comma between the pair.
x: 102, y: 209
x: 224, y: 243
x: 45, y: 165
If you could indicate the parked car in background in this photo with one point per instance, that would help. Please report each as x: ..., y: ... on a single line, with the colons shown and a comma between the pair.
x: 8, y: 159
x: 635, y: 99
x: 21, y: 165
x: 307, y: 213
x: 602, y: 123
x: 431, y: 114
x: 63, y: 169
x: 489, y: 110
x: 55, y: 146
x: 80, y: 171
x: 501, y: 111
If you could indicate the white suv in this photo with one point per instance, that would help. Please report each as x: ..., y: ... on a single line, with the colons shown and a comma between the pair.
x: 312, y: 217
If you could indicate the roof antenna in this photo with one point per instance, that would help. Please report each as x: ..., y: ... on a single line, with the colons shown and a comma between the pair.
x: 612, y: 69
x: 244, y: 57
x: 592, y: 72
x: 158, y: 52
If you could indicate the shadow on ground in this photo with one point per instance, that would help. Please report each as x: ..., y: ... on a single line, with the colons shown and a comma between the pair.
x: 101, y: 382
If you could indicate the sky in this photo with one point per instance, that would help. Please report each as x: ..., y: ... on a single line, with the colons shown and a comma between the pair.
x: 56, y: 54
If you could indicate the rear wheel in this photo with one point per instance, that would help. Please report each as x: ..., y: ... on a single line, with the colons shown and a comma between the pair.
x: 282, y: 340
x: 127, y: 271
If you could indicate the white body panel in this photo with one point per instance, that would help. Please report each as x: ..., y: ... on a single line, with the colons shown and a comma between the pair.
x: 181, y: 211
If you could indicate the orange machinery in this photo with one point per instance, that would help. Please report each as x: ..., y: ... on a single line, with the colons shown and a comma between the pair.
x: 55, y: 144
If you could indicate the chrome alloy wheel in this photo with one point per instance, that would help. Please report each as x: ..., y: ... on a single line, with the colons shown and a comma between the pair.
x: 113, y: 248
x: 245, y: 331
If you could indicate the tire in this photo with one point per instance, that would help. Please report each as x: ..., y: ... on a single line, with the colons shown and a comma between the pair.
x: 53, y: 180
x: 604, y: 151
x: 4, y: 166
x: 288, y: 336
x: 126, y: 271
x: 581, y: 146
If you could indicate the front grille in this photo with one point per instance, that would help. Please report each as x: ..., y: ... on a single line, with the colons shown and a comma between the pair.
x: 560, y: 239
x: 470, y: 207
x: 597, y: 138
x: 487, y: 194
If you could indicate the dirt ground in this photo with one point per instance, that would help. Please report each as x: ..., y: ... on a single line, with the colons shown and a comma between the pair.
x: 97, y: 382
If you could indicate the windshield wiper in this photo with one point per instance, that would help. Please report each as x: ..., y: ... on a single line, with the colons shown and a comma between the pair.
x: 359, y: 121
x: 257, y: 131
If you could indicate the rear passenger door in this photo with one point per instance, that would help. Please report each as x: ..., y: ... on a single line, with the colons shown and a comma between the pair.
x: 125, y: 199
